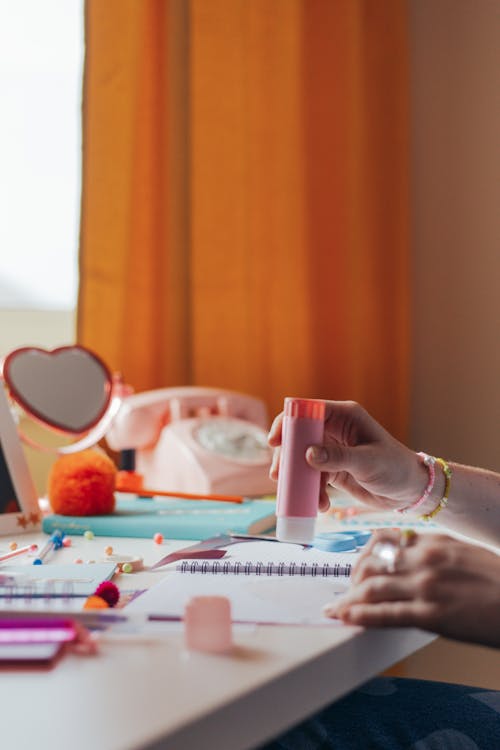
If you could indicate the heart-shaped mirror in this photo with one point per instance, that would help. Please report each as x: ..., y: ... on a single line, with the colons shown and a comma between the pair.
x: 68, y: 388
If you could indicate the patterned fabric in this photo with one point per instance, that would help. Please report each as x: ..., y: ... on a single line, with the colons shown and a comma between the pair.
x: 400, y: 714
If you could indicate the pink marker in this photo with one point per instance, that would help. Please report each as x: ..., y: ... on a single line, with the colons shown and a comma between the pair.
x: 299, y: 483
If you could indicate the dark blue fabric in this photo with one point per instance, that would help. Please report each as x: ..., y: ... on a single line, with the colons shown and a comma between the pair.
x: 398, y: 714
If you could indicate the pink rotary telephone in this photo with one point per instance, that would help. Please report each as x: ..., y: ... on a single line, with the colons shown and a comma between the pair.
x: 192, y: 439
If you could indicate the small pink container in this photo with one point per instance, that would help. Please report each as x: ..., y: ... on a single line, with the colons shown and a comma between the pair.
x: 299, y: 483
x: 207, y: 624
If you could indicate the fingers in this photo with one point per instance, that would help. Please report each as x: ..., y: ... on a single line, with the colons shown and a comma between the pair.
x: 330, y: 457
x: 324, y: 499
x: 274, y: 437
x: 396, y: 614
x: 275, y: 464
x: 366, y: 559
x: 386, y: 600
x: 381, y: 588
x: 410, y: 589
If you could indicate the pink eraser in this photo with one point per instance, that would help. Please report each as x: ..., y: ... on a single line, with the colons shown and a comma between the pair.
x: 207, y: 624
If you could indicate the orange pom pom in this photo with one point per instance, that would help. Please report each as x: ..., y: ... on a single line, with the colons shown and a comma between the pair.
x: 95, y: 602
x: 82, y: 484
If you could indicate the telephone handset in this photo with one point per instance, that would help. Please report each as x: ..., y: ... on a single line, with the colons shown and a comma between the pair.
x: 193, y: 439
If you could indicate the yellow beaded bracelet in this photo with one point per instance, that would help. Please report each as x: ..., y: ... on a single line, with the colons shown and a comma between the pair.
x: 446, y: 494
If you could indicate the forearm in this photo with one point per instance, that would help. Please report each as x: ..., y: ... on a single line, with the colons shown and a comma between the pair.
x: 473, y: 507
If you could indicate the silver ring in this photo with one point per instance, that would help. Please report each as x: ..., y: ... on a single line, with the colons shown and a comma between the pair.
x: 387, y: 552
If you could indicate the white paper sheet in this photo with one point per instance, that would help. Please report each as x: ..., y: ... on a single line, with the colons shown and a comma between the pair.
x: 259, y: 599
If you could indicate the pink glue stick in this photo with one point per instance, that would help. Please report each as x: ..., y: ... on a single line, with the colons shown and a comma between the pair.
x: 299, y: 483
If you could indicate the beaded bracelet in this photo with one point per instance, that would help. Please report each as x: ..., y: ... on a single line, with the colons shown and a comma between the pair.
x: 429, y: 461
x: 444, y: 500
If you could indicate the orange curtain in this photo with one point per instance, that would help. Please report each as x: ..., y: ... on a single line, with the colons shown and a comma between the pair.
x: 245, y: 197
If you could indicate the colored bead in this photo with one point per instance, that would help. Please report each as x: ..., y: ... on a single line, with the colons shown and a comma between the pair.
x: 88, y: 534
x: 78, y: 561
x: 66, y: 541
x: 158, y: 538
x: 108, y: 551
x: 13, y: 546
x: 127, y: 568
x: 137, y: 563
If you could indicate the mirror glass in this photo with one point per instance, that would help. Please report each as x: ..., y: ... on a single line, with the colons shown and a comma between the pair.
x: 68, y: 388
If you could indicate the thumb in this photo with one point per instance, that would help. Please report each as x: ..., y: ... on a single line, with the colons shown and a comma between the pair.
x: 330, y: 458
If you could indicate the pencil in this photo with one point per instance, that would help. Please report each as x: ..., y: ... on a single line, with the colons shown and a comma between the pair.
x: 143, y: 492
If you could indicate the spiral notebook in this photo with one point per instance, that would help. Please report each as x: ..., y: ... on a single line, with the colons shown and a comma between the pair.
x: 266, y: 583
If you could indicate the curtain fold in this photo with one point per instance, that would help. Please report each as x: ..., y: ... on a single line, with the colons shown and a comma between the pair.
x: 245, y: 197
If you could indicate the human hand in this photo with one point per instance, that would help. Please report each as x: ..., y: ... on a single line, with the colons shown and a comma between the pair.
x: 361, y: 458
x: 438, y: 584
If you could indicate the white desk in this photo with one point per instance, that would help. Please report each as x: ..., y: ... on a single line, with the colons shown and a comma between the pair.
x: 154, y: 695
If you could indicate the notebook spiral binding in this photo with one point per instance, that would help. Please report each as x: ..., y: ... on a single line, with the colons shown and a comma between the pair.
x: 228, y: 567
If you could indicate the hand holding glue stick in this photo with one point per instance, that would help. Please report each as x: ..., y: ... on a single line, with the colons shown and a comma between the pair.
x: 431, y: 581
x: 298, y: 483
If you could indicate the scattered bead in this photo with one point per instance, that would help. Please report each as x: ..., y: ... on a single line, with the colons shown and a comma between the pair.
x: 90, y: 561
x: 88, y: 534
x: 127, y: 568
x: 66, y: 541
x: 13, y: 546
x: 78, y: 561
x: 137, y: 563
x: 158, y: 538
x: 108, y: 551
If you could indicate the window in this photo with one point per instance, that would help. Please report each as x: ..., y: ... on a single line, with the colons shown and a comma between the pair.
x: 41, y: 63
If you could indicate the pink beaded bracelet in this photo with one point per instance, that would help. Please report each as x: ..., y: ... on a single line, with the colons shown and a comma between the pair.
x: 429, y: 461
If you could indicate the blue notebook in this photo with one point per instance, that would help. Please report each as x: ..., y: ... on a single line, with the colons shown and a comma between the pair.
x: 175, y: 519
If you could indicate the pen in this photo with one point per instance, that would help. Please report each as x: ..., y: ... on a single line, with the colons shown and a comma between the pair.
x: 20, y: 551
x: 54, y: 542
x: 92, y: 619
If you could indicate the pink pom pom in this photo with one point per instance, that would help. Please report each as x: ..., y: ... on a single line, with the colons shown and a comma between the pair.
x: 108, y: 591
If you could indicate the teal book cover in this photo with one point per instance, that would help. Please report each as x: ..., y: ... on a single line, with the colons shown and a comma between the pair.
x: 175, y: 519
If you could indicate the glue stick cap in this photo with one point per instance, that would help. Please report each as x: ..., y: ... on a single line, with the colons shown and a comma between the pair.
x: 307, y: 408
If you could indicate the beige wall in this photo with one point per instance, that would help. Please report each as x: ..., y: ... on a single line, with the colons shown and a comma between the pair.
x: 456, y: 228
x: 44, y: 328
x: 455, y: 52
